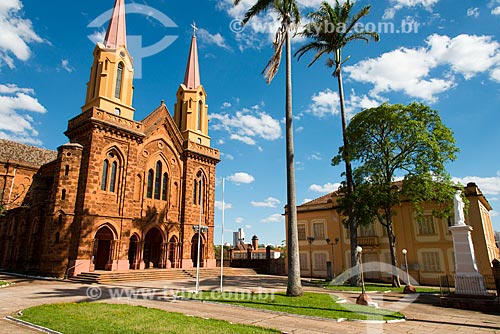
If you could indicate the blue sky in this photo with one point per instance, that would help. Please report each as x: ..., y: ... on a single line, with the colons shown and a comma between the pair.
x: 444, y: 53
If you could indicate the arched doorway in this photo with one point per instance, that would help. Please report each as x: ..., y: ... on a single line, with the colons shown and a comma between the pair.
x: 103, y: 239
x: 194, y: 250
x: 173, y: 245
x: 133, y: 252
x: 153, y: 248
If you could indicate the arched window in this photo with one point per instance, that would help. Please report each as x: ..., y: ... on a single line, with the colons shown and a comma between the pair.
x: 195, y: 191
x: 158, y: 180
x: 164, y: 191
x: 200, y: 108
x: 119, y: 80
x: 105, y: 167
x: 60, y: 219
x: 112, y: 181
x: 58, y: 236
x: 66, y: 170
x: 151, y: 175
x: 63, y: 194
x: 118, y: 112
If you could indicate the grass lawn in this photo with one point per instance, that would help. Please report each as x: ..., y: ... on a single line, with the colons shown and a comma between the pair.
x: 310, y: 304
x: 85, y: 318
x: 2, y: 283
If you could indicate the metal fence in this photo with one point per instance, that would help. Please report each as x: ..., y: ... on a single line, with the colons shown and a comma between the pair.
x: 447, y: 283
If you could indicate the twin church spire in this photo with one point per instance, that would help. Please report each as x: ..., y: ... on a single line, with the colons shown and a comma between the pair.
x: 110, y: 87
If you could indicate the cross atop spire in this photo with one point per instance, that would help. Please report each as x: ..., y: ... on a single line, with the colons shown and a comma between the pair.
x: 192, y: 77
x: 116, y: 35
x: 195, y: 28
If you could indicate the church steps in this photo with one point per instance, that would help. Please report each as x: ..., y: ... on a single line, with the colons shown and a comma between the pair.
x: 107, y: 277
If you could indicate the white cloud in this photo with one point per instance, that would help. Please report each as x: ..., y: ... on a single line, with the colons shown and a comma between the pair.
x: 306, y: 200
x: 227, y: 206
x: 315, y: 156
x: 226, y: 105
x: 213, y: 39
x: 473, y: 11
x: 495, y: 74
x: 496, y: 11
x: 467, y: 55
x: 326, y: 188
x: 226, y: 156
x: 17, y: 33
x: 240, y: 178
x: 299, y: 129
x: 269, y: 202
x: 66, y: 66
x: 488, y: 185
x: 327, y: 103
x: 98, y: 36
x: 399, y: 4
x: 275, y: 218
x: 15, y: 123
x: 324, y: 103
x: 239, y: 220
x: 247, y: 125
x: 244, y: 139
x: 494, y: 213
x: 248, y: 227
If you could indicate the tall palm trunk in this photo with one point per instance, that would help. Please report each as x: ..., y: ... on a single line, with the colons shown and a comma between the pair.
x: 294, y: 287
x: 353, y: 231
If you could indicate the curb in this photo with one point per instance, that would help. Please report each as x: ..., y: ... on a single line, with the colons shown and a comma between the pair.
x: 32, y: 326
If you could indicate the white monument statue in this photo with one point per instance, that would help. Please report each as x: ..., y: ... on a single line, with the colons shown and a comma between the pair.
x: 459, y: 206
x: 468, y: 280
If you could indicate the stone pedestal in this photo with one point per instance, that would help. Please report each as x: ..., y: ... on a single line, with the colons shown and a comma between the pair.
x: 468, y: 280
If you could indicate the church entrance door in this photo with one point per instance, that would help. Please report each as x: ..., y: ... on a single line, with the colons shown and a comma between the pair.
x: 103, y: 238
x: 153, y: 248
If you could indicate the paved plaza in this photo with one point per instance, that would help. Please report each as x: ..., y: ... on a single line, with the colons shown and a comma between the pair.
x: 423, y: 316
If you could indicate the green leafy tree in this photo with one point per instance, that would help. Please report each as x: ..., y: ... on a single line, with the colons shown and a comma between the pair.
x: 393, y: 141
x: 331, y: 29
x: 289, y: 15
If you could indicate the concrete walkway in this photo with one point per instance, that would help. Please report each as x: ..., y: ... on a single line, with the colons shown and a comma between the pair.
x: 423, y: 316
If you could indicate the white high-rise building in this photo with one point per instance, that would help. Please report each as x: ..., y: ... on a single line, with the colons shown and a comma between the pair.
x: 238, y: 237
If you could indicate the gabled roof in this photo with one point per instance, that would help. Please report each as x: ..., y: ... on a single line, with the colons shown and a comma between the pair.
x: 25, y: 154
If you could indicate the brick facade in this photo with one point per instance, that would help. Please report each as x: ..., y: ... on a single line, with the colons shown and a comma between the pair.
x: 121, y: 195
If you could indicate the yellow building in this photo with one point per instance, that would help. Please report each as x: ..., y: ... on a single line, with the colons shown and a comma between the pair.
x: 427, y: 240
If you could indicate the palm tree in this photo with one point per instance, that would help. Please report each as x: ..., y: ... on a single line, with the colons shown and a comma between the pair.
x: 289, y: 14
x: 331, y: 29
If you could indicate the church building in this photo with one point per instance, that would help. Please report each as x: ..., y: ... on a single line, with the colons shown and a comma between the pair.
x: 122, y: 194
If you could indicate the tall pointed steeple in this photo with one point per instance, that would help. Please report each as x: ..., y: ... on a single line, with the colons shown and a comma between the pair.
x: 116, y: 35
x: 111, y: 87
x: 191, y: 110
x: 192, y: 77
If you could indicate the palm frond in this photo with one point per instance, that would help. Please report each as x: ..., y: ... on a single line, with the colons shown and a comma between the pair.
x: 259, y: 7
x: 273, y: 65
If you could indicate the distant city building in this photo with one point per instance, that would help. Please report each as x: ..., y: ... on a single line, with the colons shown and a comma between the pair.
x: 238, y: 237
x: 253, y: 251
x: 426, y: 238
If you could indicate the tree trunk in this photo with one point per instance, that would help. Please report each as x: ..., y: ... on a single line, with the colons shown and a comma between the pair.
x: 392, y: 248
x: 294, y: 287
x: 353, y: 229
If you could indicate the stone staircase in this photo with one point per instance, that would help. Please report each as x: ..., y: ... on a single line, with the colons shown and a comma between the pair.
x: 109, y: 277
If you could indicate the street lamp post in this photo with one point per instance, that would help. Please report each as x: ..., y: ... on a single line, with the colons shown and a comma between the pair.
x: 408, y: 287
x: 310, y: 240
x: 363, y: 298
x: 328, y: 241
x: 199, y: 229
